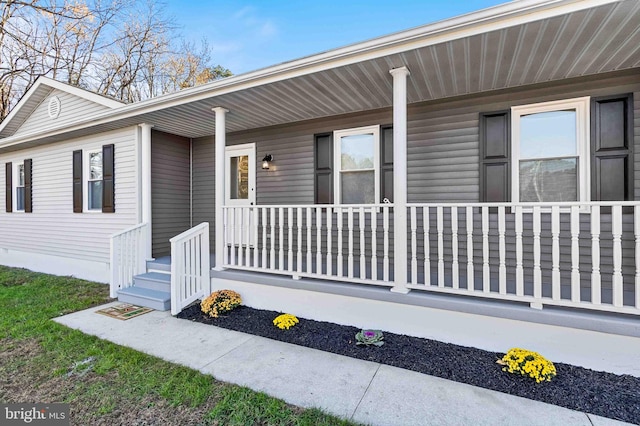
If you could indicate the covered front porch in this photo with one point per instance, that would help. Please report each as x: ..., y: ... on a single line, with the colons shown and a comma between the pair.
x: 424, y: 94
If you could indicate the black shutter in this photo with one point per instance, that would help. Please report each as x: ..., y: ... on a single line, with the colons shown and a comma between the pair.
x: 323, y: 147
x: 8, y: 187
x: 612, y: 148
x: 108, y: 193
x: 28, y: 205
x: 386, y: 162
x: 77, y: 181
x: 495, y: 156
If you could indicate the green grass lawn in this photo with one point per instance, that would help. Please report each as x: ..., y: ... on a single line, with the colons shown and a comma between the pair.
x: 42, y: 361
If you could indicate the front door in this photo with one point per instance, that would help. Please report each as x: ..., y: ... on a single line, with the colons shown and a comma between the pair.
x: 240, y: 191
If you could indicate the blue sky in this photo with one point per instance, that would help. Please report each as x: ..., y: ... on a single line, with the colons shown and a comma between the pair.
x: 248, y: 35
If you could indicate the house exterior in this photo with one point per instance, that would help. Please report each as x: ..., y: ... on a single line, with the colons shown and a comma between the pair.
x: 484, y: 164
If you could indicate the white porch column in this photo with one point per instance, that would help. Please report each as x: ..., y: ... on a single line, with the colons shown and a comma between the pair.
x: 145, y: 171
x: 220, y: 144
x: 400, y: 179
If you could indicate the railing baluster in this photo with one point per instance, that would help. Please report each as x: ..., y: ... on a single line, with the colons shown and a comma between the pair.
x: 519, y: 268
x: 272, y: 235
x: 374, y: 245
x: 240, y: 233
x: 486, y: 272
x: 265, y: 245
x: 290, y: 236
x: 339, y: 227
x: 455, y: 267
x: 616, y: 230
x: 502, y: 268
x: 427, y: 259
x: 595, y: 256
x: 248, y: 228
x: 575, y: 254
x: 281, y: 239
x: 385, y: 255
x: 555, y: 252
x: 309, y: 242
x: 319, y: 240
x: 363, y: 259
x: 299, y: 252
x: 232, y: 216
x: 470, y: 272
x: 255, y: 236
x: 636, y: 228
x: 414, y: 246
x: 537, y: 272
x: 329, y: 237
x: 350, y: 234
x: 440, y: 226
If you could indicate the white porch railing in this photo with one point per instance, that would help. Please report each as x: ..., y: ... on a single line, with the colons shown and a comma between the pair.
x: 341, y: 243
x: 584, y: 255
x: 190, y: 267
x: 127, y: 255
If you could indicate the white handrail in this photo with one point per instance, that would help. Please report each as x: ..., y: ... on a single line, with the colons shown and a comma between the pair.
x: 190, y: 267
x: 127, y: 256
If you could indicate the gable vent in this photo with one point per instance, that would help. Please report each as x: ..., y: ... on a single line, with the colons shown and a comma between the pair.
x: 54, y: 107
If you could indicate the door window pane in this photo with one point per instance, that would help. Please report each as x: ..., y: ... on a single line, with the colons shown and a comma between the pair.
x: 549, y: 180
x: 548, y: 134
x: 358, y: 187
x: 239, y: 178
x: 357, y: 152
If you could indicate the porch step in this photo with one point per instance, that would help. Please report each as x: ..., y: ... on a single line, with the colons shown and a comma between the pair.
x: 158, y: 300
x: 161, y: 264
x: 153, y: 281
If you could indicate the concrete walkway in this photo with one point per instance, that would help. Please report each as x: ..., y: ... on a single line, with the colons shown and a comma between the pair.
x: 361, y: 391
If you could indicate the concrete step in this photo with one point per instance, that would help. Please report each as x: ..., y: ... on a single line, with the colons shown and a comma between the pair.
x: 158, y: 300
x: 153, y: 281
x: 161, y: 264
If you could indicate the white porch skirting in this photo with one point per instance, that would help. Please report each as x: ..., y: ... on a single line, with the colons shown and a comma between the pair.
x: 480, y: 331
x: 56, y: 265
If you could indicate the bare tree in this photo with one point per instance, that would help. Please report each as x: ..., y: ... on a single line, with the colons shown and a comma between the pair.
x: 119, y: 48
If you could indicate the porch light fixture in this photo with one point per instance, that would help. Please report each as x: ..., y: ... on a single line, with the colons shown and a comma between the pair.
x: 266, y: 160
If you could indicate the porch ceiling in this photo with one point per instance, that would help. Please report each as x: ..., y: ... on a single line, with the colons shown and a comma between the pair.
x: 596, y: 40
x: 448, y: 59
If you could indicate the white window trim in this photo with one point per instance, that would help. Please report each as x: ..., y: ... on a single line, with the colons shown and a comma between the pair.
x: 582, y: 107
x: 86, y: 173
x: 15, y: 186
x: 337, y: 153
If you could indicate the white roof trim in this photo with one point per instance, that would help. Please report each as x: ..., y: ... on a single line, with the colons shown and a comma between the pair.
x: 53, y: 84
x: 513, y: 13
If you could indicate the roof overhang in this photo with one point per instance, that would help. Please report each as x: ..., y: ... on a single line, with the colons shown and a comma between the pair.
x: 516, y: 44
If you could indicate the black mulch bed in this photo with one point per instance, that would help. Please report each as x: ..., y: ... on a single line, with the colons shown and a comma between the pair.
x: 577, y: 388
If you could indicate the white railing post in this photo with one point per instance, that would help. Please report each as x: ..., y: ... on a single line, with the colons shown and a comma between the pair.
x: 127, y: 256
x: 114, y: 281
x: 595, y: 255
x: 636, y: 228
x: 190, y: 266
x: 519, y: 267
x: 616, y: 231
x: 220, y: 145
x: 145, y: 171
x: 455, y: 271
x: 575, y: 254
x: 400, y: 178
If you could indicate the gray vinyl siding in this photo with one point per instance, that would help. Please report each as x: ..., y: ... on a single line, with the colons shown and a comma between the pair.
x: 203, y: 187
x: 170, y: 189
x: 72, y: 108
x: 53, y: 228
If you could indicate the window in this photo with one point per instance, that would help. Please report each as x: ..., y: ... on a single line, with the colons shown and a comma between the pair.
x: 357, y: 165
x: 94, y: 181
x: 18, y: 187
x: 20, y: 181
x: 93, y: 172
x: 550, y: 151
